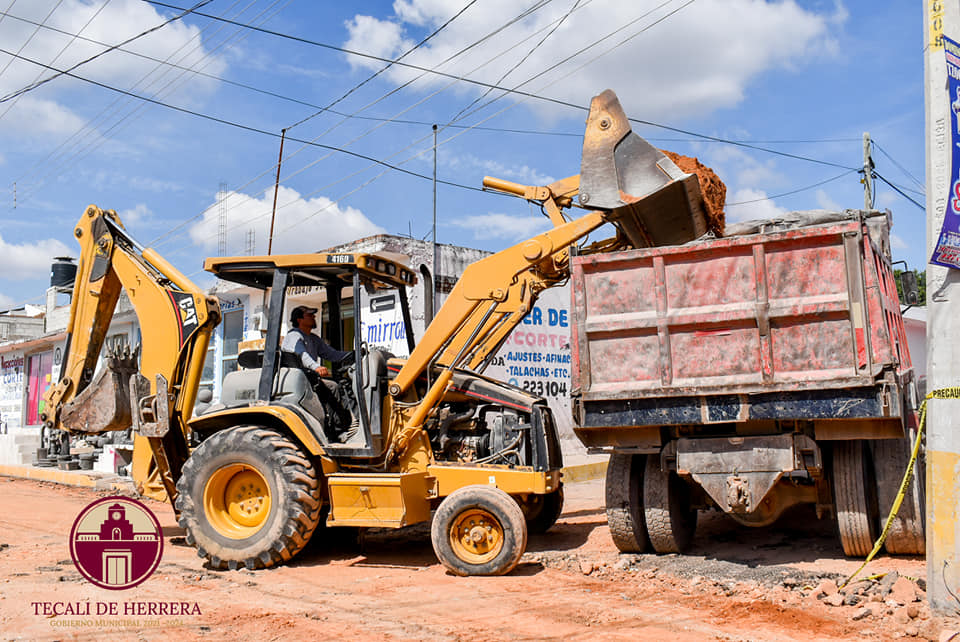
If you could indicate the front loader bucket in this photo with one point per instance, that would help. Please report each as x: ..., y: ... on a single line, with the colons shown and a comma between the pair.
x: 104, y: 405
x: 652, y: 200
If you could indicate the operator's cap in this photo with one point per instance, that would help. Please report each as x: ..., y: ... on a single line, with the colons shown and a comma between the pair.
x: 299, y: 312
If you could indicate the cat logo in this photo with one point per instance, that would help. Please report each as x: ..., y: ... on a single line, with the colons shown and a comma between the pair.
x: 188, y: 311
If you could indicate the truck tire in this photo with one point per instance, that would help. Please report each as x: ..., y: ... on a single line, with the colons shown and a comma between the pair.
x: 671, y: 521
x: 542, y: 511
x: 624, y: 500
x: 248, y: 498
x: 907, y: 534
x: 855, y: 497
x: 479, y: 530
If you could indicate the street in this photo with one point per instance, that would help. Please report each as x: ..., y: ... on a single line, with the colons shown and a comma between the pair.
x: 737, y: 584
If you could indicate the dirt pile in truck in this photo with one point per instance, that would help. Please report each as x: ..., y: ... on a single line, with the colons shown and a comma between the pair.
x: 713, y: 189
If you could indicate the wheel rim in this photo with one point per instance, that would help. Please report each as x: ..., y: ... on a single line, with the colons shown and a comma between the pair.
x: 476, y: 536
x: 236, y: 501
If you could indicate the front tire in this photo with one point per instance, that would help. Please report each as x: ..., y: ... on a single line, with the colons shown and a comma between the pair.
x: 479, y: 530
x: 248, y: 498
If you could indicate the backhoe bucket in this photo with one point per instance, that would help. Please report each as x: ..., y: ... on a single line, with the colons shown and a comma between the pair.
x: 104, y: 405
x: 652, y: 200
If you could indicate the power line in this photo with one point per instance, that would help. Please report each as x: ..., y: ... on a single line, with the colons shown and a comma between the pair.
x: 30, y: 38
x: 899, y: 191
x: 389, y: 65
x: 59, y: 73
x: 40, y: 25
x: 899, y: 166
x: 230, y: 123
x: 796, y: 191
x: 494, y: 86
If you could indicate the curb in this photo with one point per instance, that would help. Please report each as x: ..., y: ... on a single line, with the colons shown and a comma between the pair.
x: 584, y: 472
x: 80, y: 478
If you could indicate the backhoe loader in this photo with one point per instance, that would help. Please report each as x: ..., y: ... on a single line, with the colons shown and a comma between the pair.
x: 252, y: 476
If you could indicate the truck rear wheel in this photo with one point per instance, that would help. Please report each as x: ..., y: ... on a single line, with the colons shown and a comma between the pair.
x: 248, y: 497
x: 479, y: 530
x: 624, y: 500
x: 907, y: 535
x: 671, y: 521
x: 855, y: 497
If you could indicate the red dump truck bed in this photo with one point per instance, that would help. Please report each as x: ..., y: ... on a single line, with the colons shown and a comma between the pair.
x: 801, y: 323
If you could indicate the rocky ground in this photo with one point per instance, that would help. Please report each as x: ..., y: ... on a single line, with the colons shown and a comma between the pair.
x: 775, y: 583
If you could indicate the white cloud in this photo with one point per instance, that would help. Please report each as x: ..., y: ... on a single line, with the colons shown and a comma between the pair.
x: 29, y: 260
x: 518, y: 173
x: 698, y: 60
x: 503, y: 226
x: 755, y: 205
x: 302, y: 225
x: 5, y: 301
x: 135, y: 215
x: 898, y: 243
x: 45, y: 110
x: 824, y: 201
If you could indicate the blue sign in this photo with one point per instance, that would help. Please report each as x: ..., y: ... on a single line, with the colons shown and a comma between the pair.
x: 947, y: 250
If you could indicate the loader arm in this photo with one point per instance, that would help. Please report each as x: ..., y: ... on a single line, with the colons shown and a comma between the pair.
x: 623, y: 180
x: 176, y: 320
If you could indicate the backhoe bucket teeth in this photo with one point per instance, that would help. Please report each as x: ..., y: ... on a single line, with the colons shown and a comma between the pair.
x: 653, y: 201
x: 104, y: 405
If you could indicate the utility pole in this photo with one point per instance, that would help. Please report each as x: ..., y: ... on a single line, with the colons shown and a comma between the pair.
x: 436, y: 251
x: 276, y: 190
x: 868, y: 193
x: 943, y: 324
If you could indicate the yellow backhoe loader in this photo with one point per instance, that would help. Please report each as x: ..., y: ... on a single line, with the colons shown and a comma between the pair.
x: 252, y: 476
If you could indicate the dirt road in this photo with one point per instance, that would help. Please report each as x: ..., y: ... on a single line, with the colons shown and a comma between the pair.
x: 738, y: 584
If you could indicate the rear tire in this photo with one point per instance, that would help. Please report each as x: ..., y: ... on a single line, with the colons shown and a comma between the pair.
x: 624, y: 500
x: 855, y: 497
x: 907, y: 534
x: 479, y: 530
x: 671, y: 522
x: 248, y: 498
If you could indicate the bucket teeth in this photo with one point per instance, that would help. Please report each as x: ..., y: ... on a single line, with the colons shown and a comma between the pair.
x: 104, y: 405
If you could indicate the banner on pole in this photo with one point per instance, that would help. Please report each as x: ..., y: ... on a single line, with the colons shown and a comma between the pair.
x: 947, y: 250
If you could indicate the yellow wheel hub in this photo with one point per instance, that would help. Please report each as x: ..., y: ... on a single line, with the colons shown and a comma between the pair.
x: 476, y: 536
x: 236, y: 501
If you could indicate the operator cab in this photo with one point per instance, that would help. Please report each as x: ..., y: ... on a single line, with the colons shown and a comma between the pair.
x: 274, y: 377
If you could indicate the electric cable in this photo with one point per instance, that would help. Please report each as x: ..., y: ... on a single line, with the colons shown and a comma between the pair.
x: 795, y: 191
x: 388, y: 66
x: 30, y: 38
x: 89, y: 128
x: 74, y: 38
x: 59, y: 73
x: 898, y: 190
x: 167, y: 88
x: 899, y: 166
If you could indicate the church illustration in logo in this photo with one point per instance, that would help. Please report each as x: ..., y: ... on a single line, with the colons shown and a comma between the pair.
x: 116, y: 543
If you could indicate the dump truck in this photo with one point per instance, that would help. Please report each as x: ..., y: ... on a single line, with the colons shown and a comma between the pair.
x: 749, y: 374
x: 252, y: 477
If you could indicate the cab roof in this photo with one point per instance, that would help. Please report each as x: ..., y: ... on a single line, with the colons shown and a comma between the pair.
x: 311, y: 269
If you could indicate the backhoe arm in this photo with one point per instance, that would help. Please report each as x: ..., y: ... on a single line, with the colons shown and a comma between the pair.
x: 176, y: 319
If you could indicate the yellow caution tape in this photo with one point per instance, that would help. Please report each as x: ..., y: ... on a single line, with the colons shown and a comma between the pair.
x: 942, y: 393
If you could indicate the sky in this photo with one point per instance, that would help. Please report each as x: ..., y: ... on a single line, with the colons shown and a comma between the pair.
x: 178, y: 130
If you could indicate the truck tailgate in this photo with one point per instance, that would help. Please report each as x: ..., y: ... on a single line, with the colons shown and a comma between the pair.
x: 799, y: 310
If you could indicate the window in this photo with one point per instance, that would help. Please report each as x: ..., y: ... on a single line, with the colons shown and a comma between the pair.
x: 232, y: 336
x: 39, y: 368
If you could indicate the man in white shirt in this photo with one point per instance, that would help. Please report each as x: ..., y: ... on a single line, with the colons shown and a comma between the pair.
x: 311, y: 349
